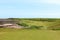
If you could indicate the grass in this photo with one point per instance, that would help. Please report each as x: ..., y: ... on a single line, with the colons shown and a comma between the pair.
x: 31, y: 34
x: 38, y: 23
x: 44, y: 24
x: 17, y: 34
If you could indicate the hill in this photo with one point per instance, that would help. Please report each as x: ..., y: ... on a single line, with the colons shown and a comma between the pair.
x: 42, y: 23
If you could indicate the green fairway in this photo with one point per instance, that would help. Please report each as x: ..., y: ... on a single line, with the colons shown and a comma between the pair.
x: 17, y: 34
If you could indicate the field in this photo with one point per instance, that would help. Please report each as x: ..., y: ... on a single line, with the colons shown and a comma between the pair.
x: 46, y: 24
x: 33, y: 32
x: 17, y: 34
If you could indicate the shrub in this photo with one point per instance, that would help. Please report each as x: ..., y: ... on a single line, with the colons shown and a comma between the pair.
x: 22, y: 24
x: 36, y: 27
x: 54, y: 28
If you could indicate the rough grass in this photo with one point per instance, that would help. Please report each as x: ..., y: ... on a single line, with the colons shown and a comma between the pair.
x: 44, y: 24
x: 18, y: 34
x: 38, y: 23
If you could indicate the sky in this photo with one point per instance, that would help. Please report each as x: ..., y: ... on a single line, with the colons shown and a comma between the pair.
x: 29, y: 8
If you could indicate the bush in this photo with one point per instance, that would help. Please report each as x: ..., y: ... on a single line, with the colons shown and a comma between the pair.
x: 36, y: 27
x: 22, y: 24
x: 54, y: 28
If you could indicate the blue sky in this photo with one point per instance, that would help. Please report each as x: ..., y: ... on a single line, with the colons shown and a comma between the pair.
x: 29, y: 8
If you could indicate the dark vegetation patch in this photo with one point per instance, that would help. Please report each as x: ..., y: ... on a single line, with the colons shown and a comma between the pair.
x: 22, y: 24
x: 36, y: 27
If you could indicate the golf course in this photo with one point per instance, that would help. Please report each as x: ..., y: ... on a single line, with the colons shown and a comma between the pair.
x: 34, y: 29
x: 17, y: 34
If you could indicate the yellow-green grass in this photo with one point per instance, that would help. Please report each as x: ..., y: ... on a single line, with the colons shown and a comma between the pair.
x: 38, y: 23
x: 17, y: 34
